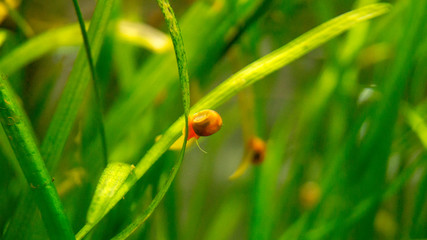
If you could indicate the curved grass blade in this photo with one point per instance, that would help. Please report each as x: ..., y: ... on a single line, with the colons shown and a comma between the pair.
x: 131, y: 228
x: 144, y: 36
x: 23, y: 143
x: 98, y: 105
x: 69, y: 35
x: 38, y: 46
x: 181, y: 58
x: 249, y: 75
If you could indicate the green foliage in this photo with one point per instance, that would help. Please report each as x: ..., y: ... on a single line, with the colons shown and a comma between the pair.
x: 343, y: 117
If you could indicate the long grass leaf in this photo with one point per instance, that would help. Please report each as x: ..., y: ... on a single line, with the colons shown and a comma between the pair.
x: 23, y: 143
x: 49, y: 41
x: 98, y: 106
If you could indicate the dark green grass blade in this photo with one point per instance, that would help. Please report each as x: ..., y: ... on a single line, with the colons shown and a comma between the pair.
x: 181, y: 59
x: 98, y: 104
x: 248, y: 76
x: 73, y: 94
x: 23, y: 143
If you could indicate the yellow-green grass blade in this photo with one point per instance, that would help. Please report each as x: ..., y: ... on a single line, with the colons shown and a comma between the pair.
x: 48, y: 41
x: 38, y: 46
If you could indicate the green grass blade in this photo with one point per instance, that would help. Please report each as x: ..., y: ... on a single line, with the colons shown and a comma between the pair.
x: 111, y: 179
x: 73, y: 94
x: 417, y: 123
x: 69, y: 35
x: 131, y: 228
x: 39, y: 46
x: 85, y: 41
x: 23, y: 143
x: 98, y: 104
x: 250, y: 75
x: 144, y: 36
x: 181, y: 59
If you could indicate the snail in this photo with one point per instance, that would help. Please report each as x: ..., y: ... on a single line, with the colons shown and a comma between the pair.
x: 204, y: 123
x: 200, y: 124
x: 254, y: 153
x: 257, y: 146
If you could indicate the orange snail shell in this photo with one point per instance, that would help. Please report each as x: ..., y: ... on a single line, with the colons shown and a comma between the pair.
x: 206, y: 122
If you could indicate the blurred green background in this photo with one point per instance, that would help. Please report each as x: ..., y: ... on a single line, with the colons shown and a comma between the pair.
x: 345, y: 125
